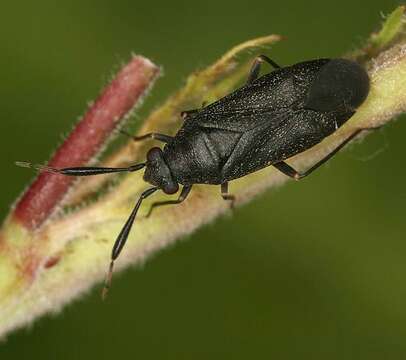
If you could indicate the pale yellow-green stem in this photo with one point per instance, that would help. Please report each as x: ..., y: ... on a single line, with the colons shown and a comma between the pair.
x: 74, y: 247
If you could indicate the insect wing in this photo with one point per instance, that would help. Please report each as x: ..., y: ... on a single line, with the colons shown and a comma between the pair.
x: 256, y: 148
x: 292, y: 133
x: 252, y: 106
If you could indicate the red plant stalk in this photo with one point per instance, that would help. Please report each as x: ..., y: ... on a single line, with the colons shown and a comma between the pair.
x: 86, y: 140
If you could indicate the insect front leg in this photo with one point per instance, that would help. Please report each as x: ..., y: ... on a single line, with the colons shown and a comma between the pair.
x: 226, y: 196
x: 183, y: 195
x: 256, y: 67
x: 291, y: 172
x: 185, y: 114
x: 122, y: 238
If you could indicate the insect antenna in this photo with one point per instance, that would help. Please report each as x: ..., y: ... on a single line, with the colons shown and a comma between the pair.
x: 26, y: 164
x: 125, y: 133
x: 122, y: 238
x: 80, y: 171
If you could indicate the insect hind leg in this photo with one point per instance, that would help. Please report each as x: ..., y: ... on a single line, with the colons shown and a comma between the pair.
x: 294, y: 174
x: 226, y: 196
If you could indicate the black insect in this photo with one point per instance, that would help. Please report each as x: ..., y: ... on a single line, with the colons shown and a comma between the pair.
x: 269, y: 119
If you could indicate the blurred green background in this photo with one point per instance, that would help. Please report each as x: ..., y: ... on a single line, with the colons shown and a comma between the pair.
x: 311, y: 270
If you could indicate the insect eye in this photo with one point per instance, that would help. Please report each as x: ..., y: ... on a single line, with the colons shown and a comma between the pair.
x: 171, y: 188
x: 154, y: 154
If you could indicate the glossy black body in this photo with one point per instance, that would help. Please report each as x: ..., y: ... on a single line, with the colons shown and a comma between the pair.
x: 262, y: 123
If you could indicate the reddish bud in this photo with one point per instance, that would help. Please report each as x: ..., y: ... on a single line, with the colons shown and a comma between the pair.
x: 86, y: 140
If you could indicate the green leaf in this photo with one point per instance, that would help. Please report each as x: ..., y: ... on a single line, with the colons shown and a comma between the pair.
x: 390, y: 29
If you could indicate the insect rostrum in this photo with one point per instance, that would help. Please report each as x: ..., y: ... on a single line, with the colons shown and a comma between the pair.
x: 268, y: 120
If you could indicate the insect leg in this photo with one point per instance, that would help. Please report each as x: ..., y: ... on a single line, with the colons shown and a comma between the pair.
x: 256, y: 67
x: 186, y: 113
x: 183, y: 195
x: 122, y: 238
x: 81, y: 171
x: 155, y: 136
x: 226, y: 196
x: 291, y: 172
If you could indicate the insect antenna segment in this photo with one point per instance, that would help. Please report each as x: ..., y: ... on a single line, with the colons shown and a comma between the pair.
x: 45, y: 168
x: 89, y: 171
x: 107, y: 281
